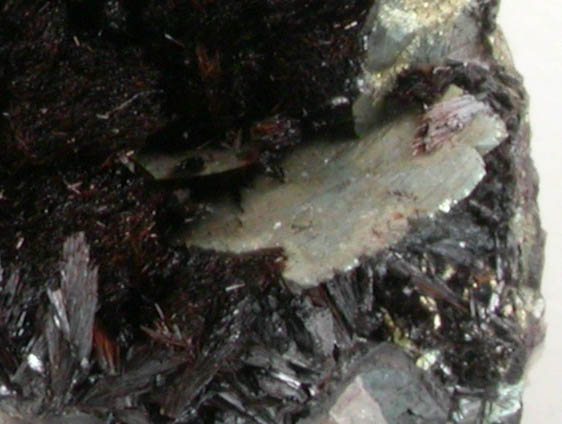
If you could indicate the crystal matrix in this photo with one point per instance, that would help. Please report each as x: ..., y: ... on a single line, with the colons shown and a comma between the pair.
x: 263, y: 211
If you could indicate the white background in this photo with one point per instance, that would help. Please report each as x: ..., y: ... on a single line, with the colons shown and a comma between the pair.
x: 534, y: 31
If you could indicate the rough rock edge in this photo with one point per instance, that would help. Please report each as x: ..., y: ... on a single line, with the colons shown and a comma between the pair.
x: 523, y: 232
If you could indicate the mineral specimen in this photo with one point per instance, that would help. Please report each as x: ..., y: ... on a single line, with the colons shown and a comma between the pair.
x: 275, y: 211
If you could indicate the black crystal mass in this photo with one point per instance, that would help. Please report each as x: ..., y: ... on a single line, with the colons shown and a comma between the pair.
x: 105, y: 318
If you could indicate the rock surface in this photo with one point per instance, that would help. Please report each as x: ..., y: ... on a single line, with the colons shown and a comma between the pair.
x: 204, y: 221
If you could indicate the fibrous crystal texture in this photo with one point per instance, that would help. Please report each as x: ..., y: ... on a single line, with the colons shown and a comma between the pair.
x: 273, y: 211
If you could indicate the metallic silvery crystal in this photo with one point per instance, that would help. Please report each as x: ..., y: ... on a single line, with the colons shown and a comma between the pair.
x: 402, y: 34
x: 356, y: 406
x: 388, y: 387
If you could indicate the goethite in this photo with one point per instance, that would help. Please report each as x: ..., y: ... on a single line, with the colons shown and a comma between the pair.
x: 275, y: 211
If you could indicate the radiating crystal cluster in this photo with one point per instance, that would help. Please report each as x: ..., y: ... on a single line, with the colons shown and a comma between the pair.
x: 277, y: 211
